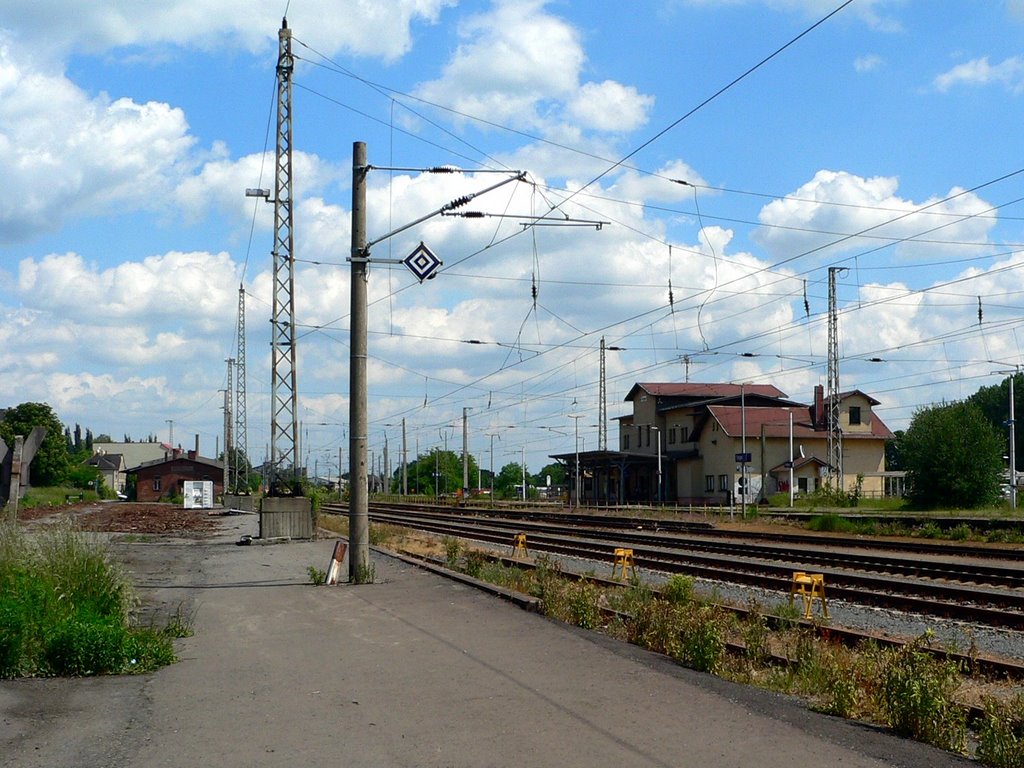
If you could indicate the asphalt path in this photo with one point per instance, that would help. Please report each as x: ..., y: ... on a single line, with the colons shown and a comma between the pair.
x: 413, y: 670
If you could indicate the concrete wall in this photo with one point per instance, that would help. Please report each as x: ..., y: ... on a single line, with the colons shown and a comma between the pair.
x: 244, y: 503
x: 288, y: 517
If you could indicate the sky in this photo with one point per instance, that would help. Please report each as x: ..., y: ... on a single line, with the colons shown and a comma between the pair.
x: 693, y: 169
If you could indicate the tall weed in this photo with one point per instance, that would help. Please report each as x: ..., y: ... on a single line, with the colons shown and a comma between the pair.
x: 916, y: 697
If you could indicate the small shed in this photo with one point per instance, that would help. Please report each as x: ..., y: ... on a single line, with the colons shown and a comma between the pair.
x: 164, y: 479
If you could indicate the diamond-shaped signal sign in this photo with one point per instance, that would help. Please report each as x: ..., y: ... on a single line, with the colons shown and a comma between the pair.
x: 422, y: 262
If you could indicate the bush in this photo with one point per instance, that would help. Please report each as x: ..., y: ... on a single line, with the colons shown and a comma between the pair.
x: 916, y: 697
x: 581, y: 604
x: 66, y: 608
x: 678, y: 589
x: 702, y: 644
x: 1001, y: 734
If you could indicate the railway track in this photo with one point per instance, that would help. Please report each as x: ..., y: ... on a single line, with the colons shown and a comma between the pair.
x: 925, y: 578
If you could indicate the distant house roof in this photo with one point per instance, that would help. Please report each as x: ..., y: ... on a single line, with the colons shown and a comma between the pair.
x: 850, y: 393
x: 701, y: 391
x: 134, y: 453
x: 105, y: 461
x: 181, y: 457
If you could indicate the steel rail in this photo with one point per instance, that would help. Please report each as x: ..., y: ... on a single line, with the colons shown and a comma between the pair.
x: 952, y: 601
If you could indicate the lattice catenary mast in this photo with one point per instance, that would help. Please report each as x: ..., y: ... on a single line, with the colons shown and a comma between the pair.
x: 284, y: 430
x: 241, y: 438
x: 835, y: 434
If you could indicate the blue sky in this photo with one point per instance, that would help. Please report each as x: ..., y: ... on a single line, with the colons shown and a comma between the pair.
x: 129, y: 131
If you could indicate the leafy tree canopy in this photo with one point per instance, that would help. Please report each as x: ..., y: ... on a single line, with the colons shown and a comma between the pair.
x: 50, y: 465
x: 555, y: 471
x: 953, y: 457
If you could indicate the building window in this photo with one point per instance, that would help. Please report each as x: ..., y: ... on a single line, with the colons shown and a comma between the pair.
x: 672, y: 436
x: 625, y: 442
x: 156, y: 483
x: 723, y: 482
x: 686, y: 435
x: 709, y: 482
x: 801, y: 484
x: 855, y: 414
x: 648, y: 435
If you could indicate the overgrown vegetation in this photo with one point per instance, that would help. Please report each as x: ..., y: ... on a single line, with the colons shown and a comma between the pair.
x: 832, y: 523
x: 1001, y: 733
x: 905, y: 688
x: 68, y: 609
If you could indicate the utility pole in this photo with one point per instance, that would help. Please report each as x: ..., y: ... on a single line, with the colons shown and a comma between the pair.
x: 405, y: 462
x: 227, y: 428
x: 423, y: 264
x: 602, y: 417
x: 228, y: 395
x: 465, y: 454
x: 358, y: 506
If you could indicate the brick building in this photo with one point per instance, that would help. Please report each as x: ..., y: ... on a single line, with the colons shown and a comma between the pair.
x: 165, y: 478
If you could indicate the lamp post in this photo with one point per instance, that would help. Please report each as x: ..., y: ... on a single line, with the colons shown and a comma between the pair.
x: 1011, y: 423
x: 576, y: 474
x: 743, y: 448
x: 791, y: 497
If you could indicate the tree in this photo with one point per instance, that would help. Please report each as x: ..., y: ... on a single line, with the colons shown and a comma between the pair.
x: 448, y: 466
x: 50, y: 465
x: 994, y: 403
x: 953, y: 457
x: 508, y: 481
x: 893, y: 459
x: 557, y: 473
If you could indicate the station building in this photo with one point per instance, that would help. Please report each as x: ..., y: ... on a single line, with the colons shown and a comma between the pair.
x: 686, y: 444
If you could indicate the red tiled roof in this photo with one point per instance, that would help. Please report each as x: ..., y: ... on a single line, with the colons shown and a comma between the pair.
x: 699, y: 390
x: 776, y: 423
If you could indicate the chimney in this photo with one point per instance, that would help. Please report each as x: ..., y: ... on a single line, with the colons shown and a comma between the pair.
x: 819, y: 406
x: 193, y: 455
x: 197, y: 445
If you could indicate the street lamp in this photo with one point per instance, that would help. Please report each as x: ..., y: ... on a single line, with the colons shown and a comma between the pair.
x: 743, y: 447
x: 576, y: 475
x: 1011, y: 423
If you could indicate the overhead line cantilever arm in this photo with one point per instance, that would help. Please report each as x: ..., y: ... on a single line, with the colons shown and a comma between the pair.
x: 458, y: 202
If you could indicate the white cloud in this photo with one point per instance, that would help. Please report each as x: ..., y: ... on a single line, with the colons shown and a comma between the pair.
x: 1009, y: 73
x: 868, y: 63
x: 610, y: 106
x: 370, y: 29
x: 834, y: 205
x: 64, y: 154
x: 519, y: 65
x: 512, y: 60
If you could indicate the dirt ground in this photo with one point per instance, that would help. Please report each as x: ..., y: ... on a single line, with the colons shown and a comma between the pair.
x: 127, y: 517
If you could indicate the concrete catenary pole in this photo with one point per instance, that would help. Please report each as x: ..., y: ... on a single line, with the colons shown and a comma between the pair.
x: 358, y: 506
x: 465, y: 454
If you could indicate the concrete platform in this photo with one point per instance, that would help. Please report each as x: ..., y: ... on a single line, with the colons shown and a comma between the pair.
x: 414, y: 670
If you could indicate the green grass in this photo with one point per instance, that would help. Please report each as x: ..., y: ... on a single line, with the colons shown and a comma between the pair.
x: 68, y: 609
x: 54, y: 497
